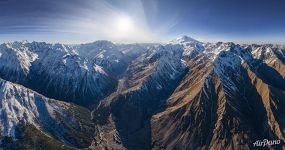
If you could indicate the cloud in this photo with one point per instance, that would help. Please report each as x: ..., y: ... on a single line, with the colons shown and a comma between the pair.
x: 86, y: 20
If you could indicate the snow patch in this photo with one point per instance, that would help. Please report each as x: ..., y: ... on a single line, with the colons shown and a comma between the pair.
x: 99, y: 69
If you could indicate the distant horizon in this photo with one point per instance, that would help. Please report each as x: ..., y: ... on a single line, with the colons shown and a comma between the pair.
x: 159, y: 42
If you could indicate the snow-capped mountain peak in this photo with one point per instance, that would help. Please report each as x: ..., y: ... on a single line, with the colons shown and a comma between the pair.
x: 184, y: 40
x: 191, y: 46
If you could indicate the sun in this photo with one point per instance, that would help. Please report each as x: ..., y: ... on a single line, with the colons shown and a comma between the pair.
x: 124, y: 25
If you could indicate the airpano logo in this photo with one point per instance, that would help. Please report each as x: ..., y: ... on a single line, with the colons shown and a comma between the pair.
x: 266, y: 142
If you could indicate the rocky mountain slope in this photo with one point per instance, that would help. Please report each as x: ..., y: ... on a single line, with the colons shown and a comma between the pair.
x: 82, y: 74
x: 148, y: 82
x: 226, y: 96
x: 229, y: 107
x: 55, y: 71
x: 28, y: 118
x: 185, y: 94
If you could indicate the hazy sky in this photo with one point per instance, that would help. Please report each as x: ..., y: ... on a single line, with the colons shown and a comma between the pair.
x: 77, y: 21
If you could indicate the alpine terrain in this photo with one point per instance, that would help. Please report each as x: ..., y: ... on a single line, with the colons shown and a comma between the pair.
x: 182, y: 95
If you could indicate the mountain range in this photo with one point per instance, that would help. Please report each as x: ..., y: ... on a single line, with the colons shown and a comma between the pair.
x: 184, y: 94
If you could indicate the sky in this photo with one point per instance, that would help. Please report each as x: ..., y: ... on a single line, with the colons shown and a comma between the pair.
x: 129, y: 21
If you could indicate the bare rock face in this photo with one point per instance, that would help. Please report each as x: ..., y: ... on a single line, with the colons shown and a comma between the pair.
x: 224, y: 104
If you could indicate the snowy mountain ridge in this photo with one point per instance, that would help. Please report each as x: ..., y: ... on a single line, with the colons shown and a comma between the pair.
x: 21, y: 106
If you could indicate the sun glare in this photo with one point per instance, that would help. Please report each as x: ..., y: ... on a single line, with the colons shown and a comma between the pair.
x: 124, y: 25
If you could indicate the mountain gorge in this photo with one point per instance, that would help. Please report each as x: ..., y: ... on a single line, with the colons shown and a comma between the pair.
x: 184, y: 94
